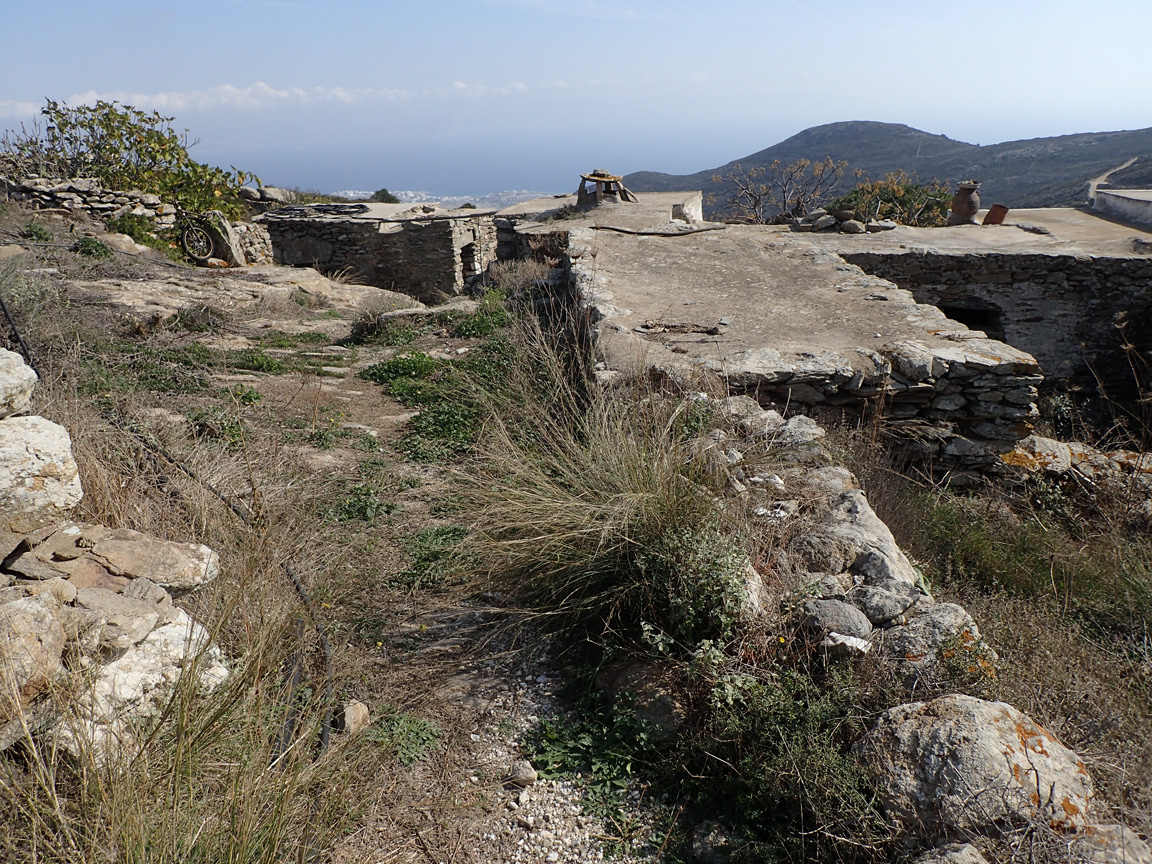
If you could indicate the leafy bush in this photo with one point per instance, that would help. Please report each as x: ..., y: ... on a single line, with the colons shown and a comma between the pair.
x: 408, y: 366
x: 775, y: 761
x: 383, y: 196
x: 37, y: 233
x: 899, y: 198
x: 140, y: 228
x: 124, y: 148
x: 90, y: 247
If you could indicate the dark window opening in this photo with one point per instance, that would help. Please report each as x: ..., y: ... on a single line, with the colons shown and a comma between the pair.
x: 991, y: 321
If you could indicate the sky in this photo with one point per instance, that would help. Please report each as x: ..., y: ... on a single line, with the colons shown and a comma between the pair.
x: 477, y: 96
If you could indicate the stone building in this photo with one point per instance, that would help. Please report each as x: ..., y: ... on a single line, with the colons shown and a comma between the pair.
x: 422, y: 250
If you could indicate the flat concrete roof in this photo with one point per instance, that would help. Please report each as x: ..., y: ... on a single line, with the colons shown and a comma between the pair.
x: 779, y: 310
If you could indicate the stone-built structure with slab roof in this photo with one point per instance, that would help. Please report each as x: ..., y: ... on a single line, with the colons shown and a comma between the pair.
x: 421, y: 250
x: 902, y: 322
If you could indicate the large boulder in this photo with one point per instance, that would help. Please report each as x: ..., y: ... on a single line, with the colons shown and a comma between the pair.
x: 39, y: 480
x: 16, y: 382
x: 960, y: 764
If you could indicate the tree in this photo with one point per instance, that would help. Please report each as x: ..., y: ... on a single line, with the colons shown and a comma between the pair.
x: 124, y: 148
x: 383, y: 196
x: 777, y: 193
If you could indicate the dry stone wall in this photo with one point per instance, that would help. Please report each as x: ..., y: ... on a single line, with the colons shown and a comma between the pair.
x: 83, y: 605
x: 429, y: 259
x: 1062, y: 309
x: 84, y: 194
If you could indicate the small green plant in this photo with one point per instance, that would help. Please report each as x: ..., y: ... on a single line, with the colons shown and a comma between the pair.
x: 90, y: 247
x: 405, y: 737
x: 408, y: 366
x: 488, y: 319
x: 218, y: 423
x: 361, y: 502
x: 141, y: 229
x: 436, y: 555
x: 37, y: 233
x: 244, y: 394
x: 255, y: 360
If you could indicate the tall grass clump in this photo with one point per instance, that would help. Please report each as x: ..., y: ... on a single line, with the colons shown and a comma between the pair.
x: 589, y: 506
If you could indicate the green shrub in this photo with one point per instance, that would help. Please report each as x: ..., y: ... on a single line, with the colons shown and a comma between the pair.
x: 362, y: 502
x: 774, y: 761
x: 255, y: 360
x: 899, y: 198
x: 408, y: 366
x: 140, y: 228
x: 436, y: 555
x: 90, y: 247
x: 124, y: 148
x: 37, y: 233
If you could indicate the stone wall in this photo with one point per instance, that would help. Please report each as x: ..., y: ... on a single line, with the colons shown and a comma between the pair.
x: 255, y: 242
x: 957, y: 408
x: 1065, y: 310
x: 429, y: 259
x: 84, y: 194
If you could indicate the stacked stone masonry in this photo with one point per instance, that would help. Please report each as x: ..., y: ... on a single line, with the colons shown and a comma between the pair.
x: 85, y: 195
x: 429, y: 259
x: 1065, y: 310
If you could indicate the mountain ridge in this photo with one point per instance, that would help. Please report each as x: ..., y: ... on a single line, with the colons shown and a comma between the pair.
x: 1031, y: 172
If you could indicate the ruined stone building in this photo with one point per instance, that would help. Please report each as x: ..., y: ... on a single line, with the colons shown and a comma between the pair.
x: 422, y: 250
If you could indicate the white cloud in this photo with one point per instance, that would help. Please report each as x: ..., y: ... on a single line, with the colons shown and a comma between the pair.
x: 18, y: 110
x: 255, y: 96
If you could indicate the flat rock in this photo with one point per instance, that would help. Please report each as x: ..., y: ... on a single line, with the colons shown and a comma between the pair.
x: 959, y: 763
x: 95, y: 556
x: 39, y: 480
x: 17, y: 381
x: 126, y: 619
x: 31, y: 643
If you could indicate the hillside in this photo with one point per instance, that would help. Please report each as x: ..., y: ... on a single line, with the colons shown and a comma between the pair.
x: 1031, y: 173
